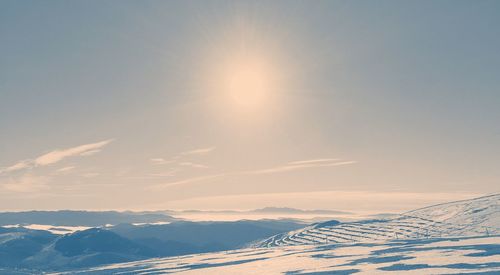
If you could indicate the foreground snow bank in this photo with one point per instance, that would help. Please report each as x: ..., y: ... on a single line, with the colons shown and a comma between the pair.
x: 428, y: 256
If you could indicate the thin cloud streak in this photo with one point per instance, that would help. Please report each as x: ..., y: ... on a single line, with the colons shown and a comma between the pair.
x: 201, y: 151
x: 278, y: 169
x: 23, y: 164
x: 177, y: 158
x: 193, y: 165
x: 305, y: 165
x: 66, y: 169
x: 82, y: 150
x: 186, y: 181
x: 57, y: 156
x: 160, y: 161
x: 309, y: 161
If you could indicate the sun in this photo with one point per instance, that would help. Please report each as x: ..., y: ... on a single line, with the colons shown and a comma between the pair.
x: 245, y: 74
x: 248, y: 83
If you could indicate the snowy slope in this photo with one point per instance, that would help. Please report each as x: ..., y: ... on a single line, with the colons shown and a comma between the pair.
x: 475, y: 217
x: 469, y: 216
x: 468, y: 255
x: 461, y: 237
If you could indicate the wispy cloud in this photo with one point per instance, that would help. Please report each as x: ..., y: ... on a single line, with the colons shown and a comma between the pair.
x: 201, y: 151
x: 65, y: 169
x: 296, y: 165
x: 82, y: 150
x: 90, y: 153
x: 186, y: 181
x: 161, y: 161
x: 57, y: 156
x: 193, y: 165
x: 170, y: 173
x: 23, y: 164
x: 182, y: 159
x: 310, y: 161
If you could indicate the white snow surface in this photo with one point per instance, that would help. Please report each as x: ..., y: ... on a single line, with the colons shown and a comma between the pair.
x: 475, y: 217
x: 427, y: 256
x: 460, y: 237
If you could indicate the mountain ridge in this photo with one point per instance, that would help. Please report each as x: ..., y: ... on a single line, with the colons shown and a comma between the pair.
x: 473, y: 217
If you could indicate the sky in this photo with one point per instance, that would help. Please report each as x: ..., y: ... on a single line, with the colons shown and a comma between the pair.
x: 345, y: 105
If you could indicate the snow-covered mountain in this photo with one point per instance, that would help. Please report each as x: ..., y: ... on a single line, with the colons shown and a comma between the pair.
x: 36, y: 249
x: 464, y: 255
x: 453, y: 238
x: 475, y: 217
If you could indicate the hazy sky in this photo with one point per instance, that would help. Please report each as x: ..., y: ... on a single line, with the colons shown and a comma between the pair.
x: 348, y: 105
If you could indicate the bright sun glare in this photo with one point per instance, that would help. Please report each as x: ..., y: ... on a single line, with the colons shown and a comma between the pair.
x: 244, y: 74
x: 248, y: 83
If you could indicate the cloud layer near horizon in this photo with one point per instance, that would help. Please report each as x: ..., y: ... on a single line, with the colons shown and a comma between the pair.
x: 344, y: 200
